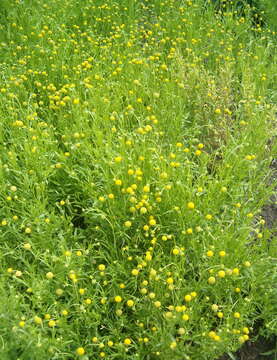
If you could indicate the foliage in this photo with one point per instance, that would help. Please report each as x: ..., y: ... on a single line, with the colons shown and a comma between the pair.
x: 134, y: 162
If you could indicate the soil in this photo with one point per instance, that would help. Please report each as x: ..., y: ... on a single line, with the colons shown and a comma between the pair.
x: 261, y: 349
x: 269, y: 212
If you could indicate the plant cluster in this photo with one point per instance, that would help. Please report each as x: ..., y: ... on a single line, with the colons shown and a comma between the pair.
x: 134, y: 161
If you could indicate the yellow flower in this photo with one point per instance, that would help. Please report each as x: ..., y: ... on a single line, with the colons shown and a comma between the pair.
x: 211, y: 280
x: 214, y: 307
x: 130, y: 303
x: 241, y: 339
x: 80, y: 351
x: 188, y: 298
x: 128, y: 224
x: 175, y: 251
x: 118, y: 159
x: 135, y: 272
x: 49, y: 275
x: 118, y: 182
x: 37, y: 320
x: 76, y: 101
x: 127, y: 341
x: 157, y: 304
x: 173, y: 345
x: 221, y: 273
x: 143, y: 210
x: 27, y: 246
x: 52, y: 323
x: 190, y: 205
x: 117, y: 299
x: 210, y: 253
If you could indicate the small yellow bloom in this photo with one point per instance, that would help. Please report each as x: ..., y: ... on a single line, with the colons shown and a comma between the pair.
x: 128, y: 224
x: 80, y: 351
x: 118, y: 182
x: 157, y: 304
x: 190, y: 205
x: 76, y: 101
x: 135, y: 272
x: 221, y: 273
x: 49, y: 275
x: 52, y: 323
x: 211, y: 280
x: 188, y: 298
x: 143, y: 210
x: 130, y: 303
x: 175, y: 251
x: 127, y: 341
x: 27, y: 246
x: 173, y: 345
x: 118, y: 159
x: 37, y: 320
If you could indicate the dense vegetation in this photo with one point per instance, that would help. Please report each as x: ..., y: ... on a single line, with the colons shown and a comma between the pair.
x: 136, y: 139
